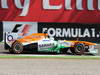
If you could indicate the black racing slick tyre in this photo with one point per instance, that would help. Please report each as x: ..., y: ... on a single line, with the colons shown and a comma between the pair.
x: 78, y: 49
x: 17, y: 48
x: 11, y: 51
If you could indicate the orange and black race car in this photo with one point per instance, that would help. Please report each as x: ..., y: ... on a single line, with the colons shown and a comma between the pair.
x: 40, y: 42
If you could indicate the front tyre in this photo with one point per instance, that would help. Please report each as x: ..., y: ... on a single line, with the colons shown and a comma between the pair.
x: 78, y: 49
x: 17, y: 48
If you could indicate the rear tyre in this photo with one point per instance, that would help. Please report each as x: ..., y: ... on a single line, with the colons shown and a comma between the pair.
x: 11, y: 51
x: 78, y: 49
x: 17, y: 48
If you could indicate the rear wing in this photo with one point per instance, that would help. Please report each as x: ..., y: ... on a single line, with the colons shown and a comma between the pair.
x: 9, y: 38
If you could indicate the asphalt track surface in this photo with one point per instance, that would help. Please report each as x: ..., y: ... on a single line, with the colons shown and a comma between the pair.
x: 47, y: 66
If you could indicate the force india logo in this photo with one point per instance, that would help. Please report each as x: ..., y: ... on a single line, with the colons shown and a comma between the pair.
x: 46, y: 5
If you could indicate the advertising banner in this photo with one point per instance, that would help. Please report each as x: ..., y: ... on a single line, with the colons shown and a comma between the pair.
x: 25, y: 28
x: 71, y: 31
x: 69, y: 11
x: 60, y: 31
x: 1, y: 31
x: 20, y: 27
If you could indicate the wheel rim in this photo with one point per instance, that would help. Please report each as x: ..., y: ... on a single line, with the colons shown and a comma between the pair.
x: 79, y: 48
x: 17, y: 47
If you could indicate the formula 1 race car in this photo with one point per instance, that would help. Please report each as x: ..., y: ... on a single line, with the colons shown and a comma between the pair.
x: 38, y: 42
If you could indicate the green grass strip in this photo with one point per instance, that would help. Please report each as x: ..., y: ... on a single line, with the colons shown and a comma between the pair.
x: 46, y: 57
